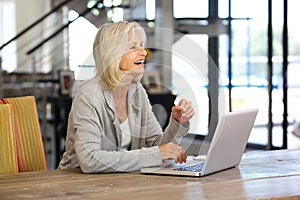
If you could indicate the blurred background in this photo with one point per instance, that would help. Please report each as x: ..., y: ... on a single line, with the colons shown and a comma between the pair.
x: 224, y: 55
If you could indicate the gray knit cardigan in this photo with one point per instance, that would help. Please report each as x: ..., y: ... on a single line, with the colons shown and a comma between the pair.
x: 94, y: 137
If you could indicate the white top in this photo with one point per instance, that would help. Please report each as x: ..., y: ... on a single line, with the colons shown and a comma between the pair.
x: 126, y: 136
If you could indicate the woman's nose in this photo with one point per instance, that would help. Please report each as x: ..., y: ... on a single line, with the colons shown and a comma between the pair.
x: 143, y: 51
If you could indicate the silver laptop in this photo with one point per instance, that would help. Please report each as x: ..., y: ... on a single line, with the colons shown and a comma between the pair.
x: 225, y: 151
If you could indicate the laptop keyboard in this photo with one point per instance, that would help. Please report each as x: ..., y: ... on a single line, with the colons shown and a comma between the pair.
x: 197, y: 167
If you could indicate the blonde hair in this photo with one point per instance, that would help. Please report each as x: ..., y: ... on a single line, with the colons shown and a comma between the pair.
x: 111, y: 43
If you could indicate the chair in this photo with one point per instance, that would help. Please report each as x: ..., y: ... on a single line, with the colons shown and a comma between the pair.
x: 8, y: 157
x: 30, y: 149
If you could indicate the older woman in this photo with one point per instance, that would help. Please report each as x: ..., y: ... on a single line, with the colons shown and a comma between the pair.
x: 111, y: 127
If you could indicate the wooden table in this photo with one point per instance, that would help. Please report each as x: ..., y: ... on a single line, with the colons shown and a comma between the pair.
x: 261, y: 175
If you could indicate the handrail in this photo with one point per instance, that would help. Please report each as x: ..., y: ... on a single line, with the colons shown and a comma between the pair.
x: 63, y: 27
x: 35, y: 23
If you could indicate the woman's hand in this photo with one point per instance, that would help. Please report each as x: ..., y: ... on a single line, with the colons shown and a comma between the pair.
x: 183, y: 112
x: 173, y: 151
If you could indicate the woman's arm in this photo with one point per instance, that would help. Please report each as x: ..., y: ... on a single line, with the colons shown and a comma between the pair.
x: 156, y: 136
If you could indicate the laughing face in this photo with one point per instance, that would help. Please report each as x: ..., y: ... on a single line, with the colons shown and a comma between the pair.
x: 133, y: 59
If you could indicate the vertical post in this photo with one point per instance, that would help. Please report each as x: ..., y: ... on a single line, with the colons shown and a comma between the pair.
x: 1, y: 78
x: 270, y: 72
x: 165, y: 38
x: 33, y: 76
x: 44, y: 120
x: 285, y: 46
x: 229, y: 56
x: 213, y: 72
x: 66, y: 38
x: 213, y: 78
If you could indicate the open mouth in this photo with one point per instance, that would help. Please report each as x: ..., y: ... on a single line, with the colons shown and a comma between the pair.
x: 140, y: 62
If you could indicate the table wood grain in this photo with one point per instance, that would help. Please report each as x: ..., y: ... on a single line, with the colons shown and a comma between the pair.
x: 261, y: 175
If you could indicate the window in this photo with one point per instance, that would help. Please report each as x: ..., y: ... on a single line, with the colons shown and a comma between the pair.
x: 81, y: 38
x: 7, y: 31
x: 189, y: 76
x: 190, y: 8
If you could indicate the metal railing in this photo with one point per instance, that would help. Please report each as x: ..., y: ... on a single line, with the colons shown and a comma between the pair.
x: 29, y: 53
x: 22, y: 33
x: 56, y: 8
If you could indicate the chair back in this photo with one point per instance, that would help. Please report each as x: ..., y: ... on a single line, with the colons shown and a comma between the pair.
x: 8, y: 154
x: 30, y: 148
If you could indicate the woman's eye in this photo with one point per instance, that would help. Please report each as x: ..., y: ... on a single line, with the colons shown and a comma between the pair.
x: 137, y: 46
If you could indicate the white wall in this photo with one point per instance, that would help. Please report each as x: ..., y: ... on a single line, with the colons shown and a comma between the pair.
x: 27, y: 12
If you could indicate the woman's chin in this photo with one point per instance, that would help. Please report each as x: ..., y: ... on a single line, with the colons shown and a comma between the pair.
x: 137, y: 71
x: 132, y: 76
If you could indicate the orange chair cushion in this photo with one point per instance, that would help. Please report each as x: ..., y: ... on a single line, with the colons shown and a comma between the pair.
x: 8, y: 154
x: 30, y: 148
